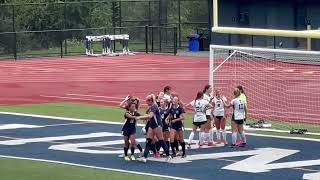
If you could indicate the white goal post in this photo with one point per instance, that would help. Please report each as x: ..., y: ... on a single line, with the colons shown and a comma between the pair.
x: 281, y: 84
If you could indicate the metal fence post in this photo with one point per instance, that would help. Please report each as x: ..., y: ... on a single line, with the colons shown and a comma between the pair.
x: 175, y: 43
x: 146, y: 38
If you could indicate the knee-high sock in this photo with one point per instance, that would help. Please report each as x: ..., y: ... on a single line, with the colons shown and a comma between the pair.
x: 211, y: 135
x: 158, y: 146
x: 224, y: 134
x: 139, y: 147
x: 234, y: 138
x: 173, y: 148
x: 164, y: 146
x: 153, y: 148
x: 218, y: 133
x: 183, y: 145
x: 132, y: 150
x: 201, y: 137
x: 243, y: 137
x: 148, y: 147
x: 191, y: 136
x: 125, y: 150
x: 176, y: 145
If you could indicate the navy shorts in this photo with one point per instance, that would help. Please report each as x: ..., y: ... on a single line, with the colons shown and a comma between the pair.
x: 239, y: 122
x: 154, y: 124
x: 128, y: 132
x: 165, y: 127
x: 178, y: 126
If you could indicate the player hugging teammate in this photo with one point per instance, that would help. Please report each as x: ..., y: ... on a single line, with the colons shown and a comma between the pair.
x: 165, y: 121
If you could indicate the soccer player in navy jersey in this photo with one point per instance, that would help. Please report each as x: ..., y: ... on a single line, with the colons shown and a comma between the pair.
x: 155, y: 129
x: 129, y: 130
x: 176, y: 122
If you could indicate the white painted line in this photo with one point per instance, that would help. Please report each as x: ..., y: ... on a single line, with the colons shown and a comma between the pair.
x: 120, y: 123
x: 289, y: 70
x: 308, y: 72
x: 88, y: 95
x: 17, y: 126
x: 270, y: 69
x: 95, y: 167
x: 57, y: 138
x: 312, y: 176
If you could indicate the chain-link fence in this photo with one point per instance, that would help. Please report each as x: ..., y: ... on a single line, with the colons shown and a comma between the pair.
x: 189, y: 16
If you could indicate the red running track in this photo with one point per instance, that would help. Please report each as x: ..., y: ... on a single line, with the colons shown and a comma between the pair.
x: 106, y: 80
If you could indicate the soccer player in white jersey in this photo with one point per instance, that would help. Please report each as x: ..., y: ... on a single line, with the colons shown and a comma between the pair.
x: 219, y: 117
x: 238, y: 117
x: 207, y: 90
x: 199, y: 105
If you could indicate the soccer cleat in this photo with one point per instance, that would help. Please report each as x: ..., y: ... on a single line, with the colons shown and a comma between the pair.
x: 232, y: 145
x: 183, y: 156
x: 242, y: 144
x: 133, y: 158
x: 211, y: 144
x: 169, y: 158
x: 142, y: 159
x: 225, y: 142
x: 157, y: 155
x: 126, y: 158
x: 189, y: 146
x: 239, y: 142
x: 178, y: 153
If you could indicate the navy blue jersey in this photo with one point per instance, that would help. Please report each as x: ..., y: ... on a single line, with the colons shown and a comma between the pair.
x: 155, y: 121
x: 164, y: 112
x: 176, y: 113
x: 130, y: 123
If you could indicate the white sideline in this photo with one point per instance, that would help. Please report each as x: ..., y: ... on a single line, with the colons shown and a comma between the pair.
x: 94, y: 167
x: 120, y: 123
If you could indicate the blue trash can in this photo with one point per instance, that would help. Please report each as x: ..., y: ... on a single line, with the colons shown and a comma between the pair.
x: 194, y: 42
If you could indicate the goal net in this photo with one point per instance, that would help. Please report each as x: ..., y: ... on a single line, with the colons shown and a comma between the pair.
x: 281, y: 85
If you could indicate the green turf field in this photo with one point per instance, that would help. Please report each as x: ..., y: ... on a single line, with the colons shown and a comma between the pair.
x: 109, y: 113
x: 13, y: 169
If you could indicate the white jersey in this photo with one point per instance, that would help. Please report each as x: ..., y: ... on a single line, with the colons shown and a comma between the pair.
x: 238, y: 109
x: 199, y: 107
x: 218, y: 107
x: 207, y: 98
x: 167, y: 97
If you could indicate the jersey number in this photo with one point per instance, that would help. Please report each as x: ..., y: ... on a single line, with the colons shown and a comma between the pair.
x: 241, y: 106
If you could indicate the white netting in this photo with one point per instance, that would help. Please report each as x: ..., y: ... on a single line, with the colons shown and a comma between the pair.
x: 282, y: 85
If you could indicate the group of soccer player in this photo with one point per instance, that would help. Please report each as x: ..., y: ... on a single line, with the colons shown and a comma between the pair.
x: 165, y: 117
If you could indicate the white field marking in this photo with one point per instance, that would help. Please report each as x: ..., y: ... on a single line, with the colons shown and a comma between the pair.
x: 57, y: 138
x: 270, y: 69
x: 85, y: 99
x: 95, y: 167
x: 289, y: 70
x: 88, y: 95
x: 67, y: 124
x: 17, y: 126
x: 85, y: 147
x: 121, y: 123
x: 308, y: 72
x: 312, y: 176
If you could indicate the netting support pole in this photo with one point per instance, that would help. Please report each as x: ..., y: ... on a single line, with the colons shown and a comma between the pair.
x: 211, y: 66
x: 146, y: 38
x: 175, y: 39
x: 15, y: 34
